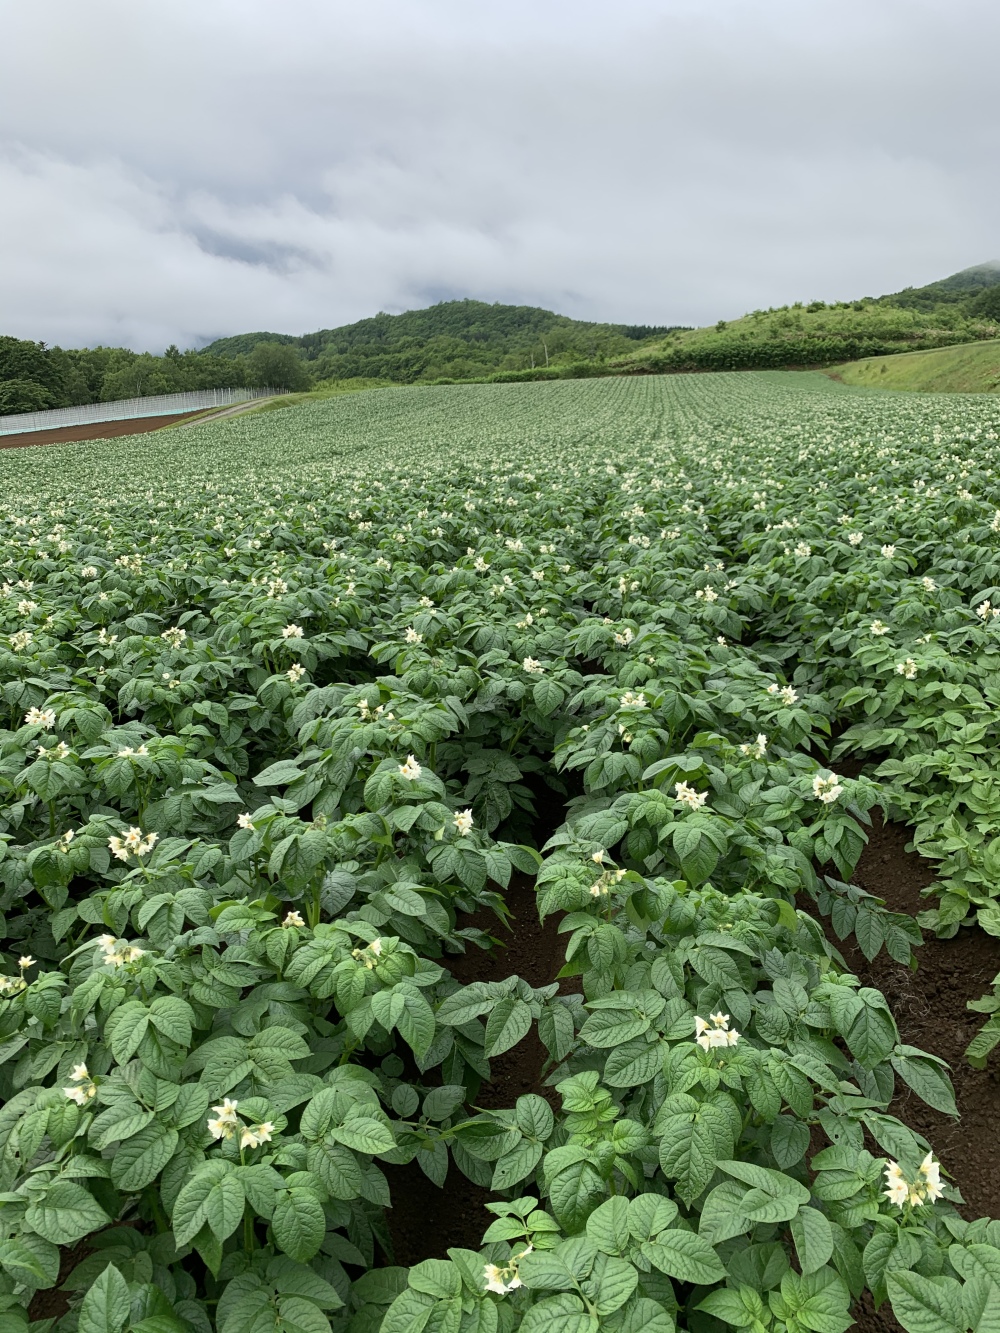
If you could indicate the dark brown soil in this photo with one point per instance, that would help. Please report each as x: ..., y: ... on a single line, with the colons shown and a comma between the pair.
x: 929, y: 1006
x: 94, y: 430
x: 424, y: 1220
x: 52, y: 1303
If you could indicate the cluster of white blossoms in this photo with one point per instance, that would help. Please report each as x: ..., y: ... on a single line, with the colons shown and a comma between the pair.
x: 532, y: 666
x: 14, y: 985
x: 826, y: 789
x: 855, y: 538
x: 630, y: 700
x: 292, y: 918
x: 623, y: 639
x: 227, y: 1122
x: 888, y: 551
x: 116, y: 953
x: 785, y: 693
x: 369, y: 955
x: 463, y: 821
x: 63, y: 844
x: 803, y: 549
x: 41, y: 717
x: 133, y: 843
x: 925, y: 1189
x: 83, y: 1088
x: 411, y: 770
x: 175, y: 636
x: 755, y: 749
x: 411, y: 636
x: 685, y: 795
x: 126, y: 752
x: 295, y: 673
x: 928, y: 584
x: 60, y: 751
x: 603, y: 886
x: 878, y: 628
x: 88, y: 572
x: 715, y: 1032
x: 292, y: 632
x: 986, y: 611
x: 21, y: 640
x: 501, y: 1278
x: 907, y: 668
x: 707, y: 594
x: 369, y: 714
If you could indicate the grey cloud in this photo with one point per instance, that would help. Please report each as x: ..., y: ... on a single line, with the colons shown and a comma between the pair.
x: 171, y: 172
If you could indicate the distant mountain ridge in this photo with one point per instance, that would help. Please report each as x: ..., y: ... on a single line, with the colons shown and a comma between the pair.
x: 968, y: 284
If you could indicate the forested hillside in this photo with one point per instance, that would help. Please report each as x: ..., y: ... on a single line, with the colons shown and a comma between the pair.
x: 452, y: 340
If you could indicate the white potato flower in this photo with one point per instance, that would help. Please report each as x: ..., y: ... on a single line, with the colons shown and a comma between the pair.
x: 755, y: 749
x: 927, y: 1187
x: 463, y: 821
x: 686, y: 795
x: 826, y: 789
x: 411, y: 770
x: 226, y: 1120
x: 255, y: 1136
x: 714, y: 1032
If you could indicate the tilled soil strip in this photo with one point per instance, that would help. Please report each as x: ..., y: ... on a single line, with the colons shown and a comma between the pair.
x: 424, y: 1220
x: 94, y: 430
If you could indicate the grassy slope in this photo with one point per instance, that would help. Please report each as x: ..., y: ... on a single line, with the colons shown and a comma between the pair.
x: 971, y: 368
x: 958, y: 309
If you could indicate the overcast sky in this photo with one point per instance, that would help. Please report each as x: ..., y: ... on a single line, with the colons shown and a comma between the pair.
x: 174, y: 170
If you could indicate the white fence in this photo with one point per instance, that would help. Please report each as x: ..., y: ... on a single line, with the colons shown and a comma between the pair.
x: 125, y: 409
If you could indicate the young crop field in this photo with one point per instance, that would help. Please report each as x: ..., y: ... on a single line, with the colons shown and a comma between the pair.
x: 429, y: 842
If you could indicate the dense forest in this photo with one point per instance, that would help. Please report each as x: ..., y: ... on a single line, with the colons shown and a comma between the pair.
x: 473, y: 340
x: 452, y: 340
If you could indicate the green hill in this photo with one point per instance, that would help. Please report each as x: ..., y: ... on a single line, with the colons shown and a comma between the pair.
x: 452, y: 340
x: 962, y: 308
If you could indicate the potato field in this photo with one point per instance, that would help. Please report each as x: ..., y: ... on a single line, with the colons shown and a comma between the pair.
x: 319, y: 725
